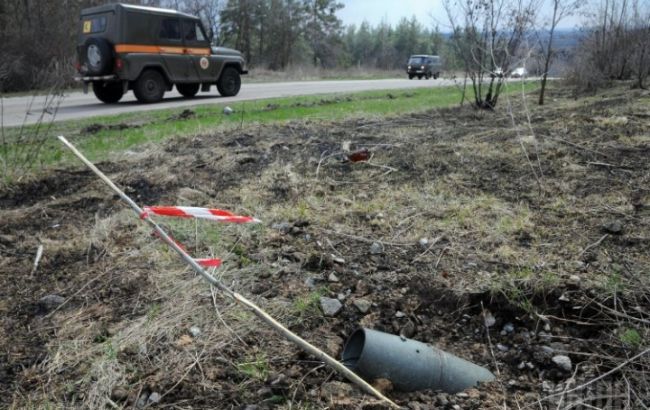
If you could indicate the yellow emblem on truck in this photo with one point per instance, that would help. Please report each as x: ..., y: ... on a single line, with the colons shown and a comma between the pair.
x: 88, y: 26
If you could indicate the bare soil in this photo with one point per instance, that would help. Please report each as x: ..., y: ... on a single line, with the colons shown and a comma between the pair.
x: 543, y: 225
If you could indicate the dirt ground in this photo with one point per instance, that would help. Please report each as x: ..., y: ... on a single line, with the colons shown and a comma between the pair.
x: 509, y: 238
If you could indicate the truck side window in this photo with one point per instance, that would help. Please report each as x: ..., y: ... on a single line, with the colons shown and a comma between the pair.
x: 169, y: 29
x: 192, y: 31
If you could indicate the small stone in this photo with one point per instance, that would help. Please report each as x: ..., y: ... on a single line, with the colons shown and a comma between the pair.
x: 399, y: 314
x: 547, y: 386
x: 502, y: 348
x: 563, y: 362
x: 408, y: 330
x: 283, y: 227
x: 462, y: 395
x: 310, y: 282
x: 521, y: 366
x: 547, y: 327
x: 441, y: 400
x: 142, y: 401
x: 51, y: 302
x: 508, y: 328
x: 332, y: 278
x: 338, y: 259
x: 362, y: 305
x: 574, y: 280
x: 330, y: 306
x: 153, y: 398
x: 423, y: 242
x: 614, y: 227
x: 227, y: 110
x: 119, y: 394
x: 489, y: 319
x: 564, y: 298
x: 341, y: 296
x: 376, y: 248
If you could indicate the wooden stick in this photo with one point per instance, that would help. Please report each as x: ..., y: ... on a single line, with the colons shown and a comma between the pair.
x: 261, y: 314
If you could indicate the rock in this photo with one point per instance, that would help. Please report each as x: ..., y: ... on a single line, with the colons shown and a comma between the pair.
x: 399, y: 314
x: 376, y: 248
x: 362, y: 305
x: 441, y: 400
x: 332, y: 278
x: 614, y: 227
x: 330, y: 306
x: 310, y: 282
x: 489, y: 319
x: 119, y: 394
x: 563, y: 362
x: 227, y: 110
x: 423, y: 242
x: 283, y: 227
x: 51, y: 302
x: 142, y: 401
x: 195, y: 331
x: 408, y: 330
x: 462, y: 395
x: 574, y: 280
x: 508, y: 328
x: 337, y: 259
x: 564, y: 298
x: 153, y: 398
x: 502, y: 348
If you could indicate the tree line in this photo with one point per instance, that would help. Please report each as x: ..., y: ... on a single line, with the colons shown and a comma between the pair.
x: 39, y: 38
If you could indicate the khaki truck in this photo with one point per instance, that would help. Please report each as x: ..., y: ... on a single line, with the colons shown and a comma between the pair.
x: 150, y: 50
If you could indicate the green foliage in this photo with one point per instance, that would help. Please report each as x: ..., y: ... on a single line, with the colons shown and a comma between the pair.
x: 256, y: 367
x: 631, y: 337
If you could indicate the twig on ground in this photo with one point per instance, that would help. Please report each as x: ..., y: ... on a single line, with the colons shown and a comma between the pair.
x: 37, y: 258
x: 595, y: 244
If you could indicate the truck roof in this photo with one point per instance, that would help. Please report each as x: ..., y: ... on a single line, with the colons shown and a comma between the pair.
x: 153, y: 10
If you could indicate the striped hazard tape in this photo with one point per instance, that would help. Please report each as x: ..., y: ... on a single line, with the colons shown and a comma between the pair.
x: 203, y: 213
x: 194, y: 212
x: 205, y: 262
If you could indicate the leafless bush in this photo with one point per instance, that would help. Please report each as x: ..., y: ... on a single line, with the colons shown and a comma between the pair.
x: 616, y: 46
x: 488, y: 37
x: 20, y: 147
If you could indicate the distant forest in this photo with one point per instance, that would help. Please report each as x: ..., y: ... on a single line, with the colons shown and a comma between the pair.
x: 39, y: 36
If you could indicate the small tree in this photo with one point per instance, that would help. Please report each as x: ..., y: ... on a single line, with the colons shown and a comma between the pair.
x: 487, y: 36
x: 561, y: 9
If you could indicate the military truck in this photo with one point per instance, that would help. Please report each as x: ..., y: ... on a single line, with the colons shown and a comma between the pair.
x: 149, y: 50
x: 422, y: 65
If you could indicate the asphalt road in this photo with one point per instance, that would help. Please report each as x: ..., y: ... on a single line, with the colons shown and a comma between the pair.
x: 77, y: 105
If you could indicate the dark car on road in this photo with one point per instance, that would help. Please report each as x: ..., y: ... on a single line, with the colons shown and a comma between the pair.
x: 150, y: 50
x: 422, y: 65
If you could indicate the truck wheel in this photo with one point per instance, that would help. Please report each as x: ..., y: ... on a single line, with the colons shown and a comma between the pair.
x: 110, y: 93
x: 427, y: 76
x: 436, y: 75
x: 98, y: 56
x: 188, y: 90
x: 149, y: 87
x: 420, y: 77
x: 410, y: 76
x: 229, y: 83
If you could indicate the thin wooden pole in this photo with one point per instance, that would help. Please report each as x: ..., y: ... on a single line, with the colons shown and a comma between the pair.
x: 261, y: 314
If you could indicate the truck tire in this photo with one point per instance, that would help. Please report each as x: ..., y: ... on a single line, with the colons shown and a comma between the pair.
x: 150, y: 87
x: 108, y: 92
x: 98, y: 56
x: 229, y: 83
x: 188, y: 90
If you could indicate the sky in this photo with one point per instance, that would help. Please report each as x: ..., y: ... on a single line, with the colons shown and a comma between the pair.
x: 374, y: 11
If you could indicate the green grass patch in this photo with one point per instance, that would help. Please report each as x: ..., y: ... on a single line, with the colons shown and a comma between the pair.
x: 118, y: 133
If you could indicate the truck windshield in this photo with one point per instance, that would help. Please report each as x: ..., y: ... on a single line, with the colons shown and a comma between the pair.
x: 416, y: 60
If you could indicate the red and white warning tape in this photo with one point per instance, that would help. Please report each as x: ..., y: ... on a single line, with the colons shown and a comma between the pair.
x: 194, y: 212
x: 203, y: 213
